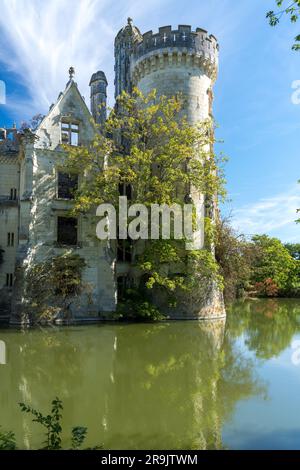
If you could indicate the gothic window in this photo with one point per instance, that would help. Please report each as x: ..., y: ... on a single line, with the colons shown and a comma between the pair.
x: 69, y: 133
x: 10, y: 239
x: 9, y: 280
x: 13, y: 194
x: 66, y: 185
x: 67, y: 230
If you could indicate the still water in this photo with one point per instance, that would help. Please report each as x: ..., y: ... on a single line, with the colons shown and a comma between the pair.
x: 181, y: 385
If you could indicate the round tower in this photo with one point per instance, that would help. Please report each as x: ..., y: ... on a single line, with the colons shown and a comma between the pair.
x: 185, y: 62
x: 178, y: 61
x: 125, y: 41
x: 98, y: 85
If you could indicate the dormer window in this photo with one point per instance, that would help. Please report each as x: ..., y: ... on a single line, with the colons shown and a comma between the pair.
x: 69, y: 133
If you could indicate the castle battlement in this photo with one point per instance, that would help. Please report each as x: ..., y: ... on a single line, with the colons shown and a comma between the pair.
x: 180, y: 46
x: 198, y: 41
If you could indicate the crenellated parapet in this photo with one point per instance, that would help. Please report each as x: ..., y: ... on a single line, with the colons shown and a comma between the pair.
x: 179, y: 47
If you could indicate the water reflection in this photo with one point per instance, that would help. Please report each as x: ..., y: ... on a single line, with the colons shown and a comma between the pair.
x: 135, y: 386
x: 268, y: 325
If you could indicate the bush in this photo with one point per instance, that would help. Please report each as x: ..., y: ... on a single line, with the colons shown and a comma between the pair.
x: 53, y: 429
x: 135, y: 307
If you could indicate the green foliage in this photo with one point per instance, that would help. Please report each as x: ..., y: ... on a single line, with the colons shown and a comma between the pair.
x: 51, y: 422
x: 134, y: 306
x: 235, y: 256
x: 290, y: 9
x: 202, y: 267
x: 148, y: 144
x: 294, y: 250
x: 78, y: 436
x: 53, y: 286
x: 157, y: 260
x: 275, y: 263
x: 262, y: 266
x: 7, y: 440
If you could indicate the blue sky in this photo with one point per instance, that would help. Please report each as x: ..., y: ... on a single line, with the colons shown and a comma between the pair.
x: 257, y: 120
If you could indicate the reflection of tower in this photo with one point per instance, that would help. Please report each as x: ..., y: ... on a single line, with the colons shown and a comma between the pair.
x: 170, y: 375
x: 124, y: 42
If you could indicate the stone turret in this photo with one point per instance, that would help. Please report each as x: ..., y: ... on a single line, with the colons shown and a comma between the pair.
x: 126, y: 39
x: 98, y: 85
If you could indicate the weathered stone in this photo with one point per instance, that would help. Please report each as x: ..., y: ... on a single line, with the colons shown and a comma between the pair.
x: 171, y: 61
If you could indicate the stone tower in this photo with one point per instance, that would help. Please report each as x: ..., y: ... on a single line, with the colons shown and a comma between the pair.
x: 175, y: 61
x: 178, y: 61
x: 98, y: 85
x: 126, y: 39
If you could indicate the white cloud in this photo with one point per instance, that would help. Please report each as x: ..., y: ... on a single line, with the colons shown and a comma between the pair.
x: 40, y: 40
x: 273, y: 215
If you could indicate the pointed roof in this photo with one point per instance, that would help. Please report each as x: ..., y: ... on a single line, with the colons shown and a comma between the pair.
x: 70, y: 86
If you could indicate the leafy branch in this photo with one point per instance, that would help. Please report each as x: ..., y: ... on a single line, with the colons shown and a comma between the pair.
x: 292, y: 10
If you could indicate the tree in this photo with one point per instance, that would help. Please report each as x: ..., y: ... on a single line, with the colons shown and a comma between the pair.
x: 235, y: 256
x: 292, y: 10
x: 1, y: 255
x: 274, y: 264
x: 148, y: 146
x: 294, y: 250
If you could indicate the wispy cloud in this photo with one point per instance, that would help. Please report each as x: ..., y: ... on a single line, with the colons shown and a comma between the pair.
x: 41, y: 40
x: 273, y: 215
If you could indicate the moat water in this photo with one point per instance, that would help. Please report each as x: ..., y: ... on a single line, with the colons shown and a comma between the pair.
x: 181, y: 385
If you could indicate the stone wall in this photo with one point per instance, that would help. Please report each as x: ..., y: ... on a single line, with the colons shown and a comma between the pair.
x: 9, y: 181
x: 182, y: 62
x: 41, y: 207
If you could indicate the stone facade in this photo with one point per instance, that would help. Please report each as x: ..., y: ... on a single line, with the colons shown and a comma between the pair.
x: 9, y: 211
x: 31, y: 208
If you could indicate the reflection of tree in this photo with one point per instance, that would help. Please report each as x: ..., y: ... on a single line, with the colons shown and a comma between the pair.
x: 53, y: 362
x: 170, y: 385
x: 268, y: 325
x: 180, y: 387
